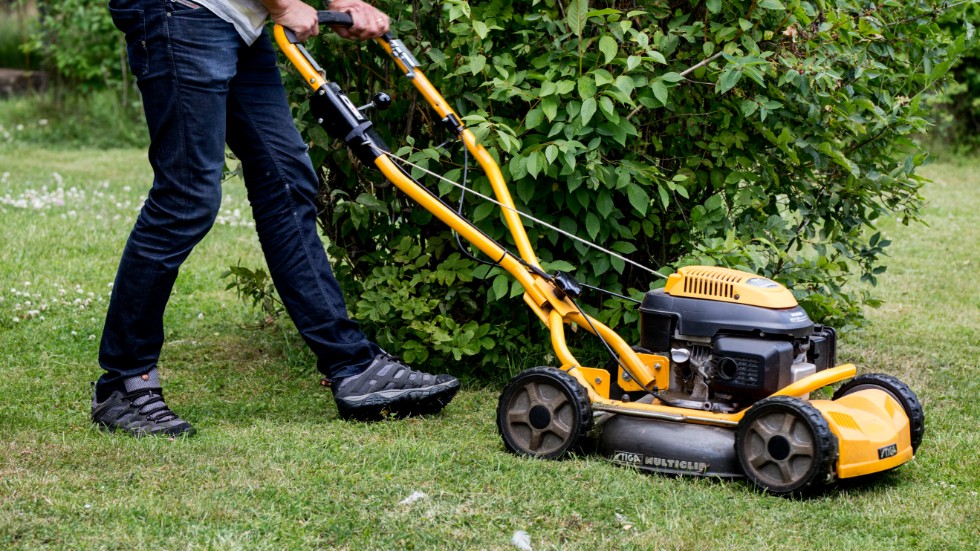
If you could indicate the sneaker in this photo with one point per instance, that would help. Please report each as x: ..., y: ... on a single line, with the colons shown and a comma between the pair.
x: 389, y: 387
x: 140, y: 410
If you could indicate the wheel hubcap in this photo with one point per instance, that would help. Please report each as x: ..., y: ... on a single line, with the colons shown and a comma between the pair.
x: 540, y: 418
x: 779, y: 448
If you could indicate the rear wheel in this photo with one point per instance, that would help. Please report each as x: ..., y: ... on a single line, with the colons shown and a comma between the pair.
x: 785, y: 446
x: 543, y: 412
x: 897, y: 390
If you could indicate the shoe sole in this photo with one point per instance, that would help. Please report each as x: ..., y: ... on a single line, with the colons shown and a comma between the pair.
x: 169, y: 432
x: 398, y: 403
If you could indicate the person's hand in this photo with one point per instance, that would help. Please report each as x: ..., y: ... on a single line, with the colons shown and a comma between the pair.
x: 369, y: 22
x: 294, y: 15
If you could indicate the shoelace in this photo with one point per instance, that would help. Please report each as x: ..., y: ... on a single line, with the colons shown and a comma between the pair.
x: 159, y: 414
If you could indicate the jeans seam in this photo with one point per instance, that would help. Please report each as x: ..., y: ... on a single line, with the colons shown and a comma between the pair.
x: 181, y: 127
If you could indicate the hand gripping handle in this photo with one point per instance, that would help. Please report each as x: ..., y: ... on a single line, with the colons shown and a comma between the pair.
x: 332, y: 18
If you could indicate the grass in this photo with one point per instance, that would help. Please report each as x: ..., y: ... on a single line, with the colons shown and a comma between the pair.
x: 274, y: 467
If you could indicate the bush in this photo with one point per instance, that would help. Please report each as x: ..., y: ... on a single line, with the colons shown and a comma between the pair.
x: 959, y: 124
x: 92, y: 100
x: 764, y: 136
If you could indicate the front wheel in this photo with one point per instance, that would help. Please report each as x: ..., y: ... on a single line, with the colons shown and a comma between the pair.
x: 543, y: 412
x: 785, y: 446
x: 897, y: 390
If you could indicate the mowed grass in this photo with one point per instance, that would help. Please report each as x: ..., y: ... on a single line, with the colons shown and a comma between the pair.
x: 274, y: 467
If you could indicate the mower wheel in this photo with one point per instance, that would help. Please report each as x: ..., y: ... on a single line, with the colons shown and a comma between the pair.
x: 785, y: 446
x: 543, y: 412
x: 897, y: 390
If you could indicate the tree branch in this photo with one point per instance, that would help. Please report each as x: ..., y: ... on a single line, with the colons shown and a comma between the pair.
x: 683, y: 73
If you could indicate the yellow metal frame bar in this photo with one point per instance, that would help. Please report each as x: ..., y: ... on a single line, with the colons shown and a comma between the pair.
x: 540, y: 293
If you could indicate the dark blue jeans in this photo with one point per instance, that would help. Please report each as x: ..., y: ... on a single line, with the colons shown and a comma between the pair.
x: 203, y: 87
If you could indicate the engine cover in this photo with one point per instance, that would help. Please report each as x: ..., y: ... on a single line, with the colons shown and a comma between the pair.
x: 751, y: 368
x: 663, y: 316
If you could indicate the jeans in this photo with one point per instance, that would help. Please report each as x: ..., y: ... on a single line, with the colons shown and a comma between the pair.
x: 203, y: 87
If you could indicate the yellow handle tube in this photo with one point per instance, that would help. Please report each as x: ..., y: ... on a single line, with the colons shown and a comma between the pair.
x: 448, y: 216
x: 490, y: 167
x: 312, y: 77
x: 818, y: 380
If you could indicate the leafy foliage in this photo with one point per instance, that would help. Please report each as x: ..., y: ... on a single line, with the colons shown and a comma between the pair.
x: 767, y: 136
x: 76, y: 39
x: 255, y: 286
x: 960, y: 125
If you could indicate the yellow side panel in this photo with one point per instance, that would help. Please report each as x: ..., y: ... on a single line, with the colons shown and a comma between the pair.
x: 598, y: 378
x: 660, y: 366
x: 872, y: 431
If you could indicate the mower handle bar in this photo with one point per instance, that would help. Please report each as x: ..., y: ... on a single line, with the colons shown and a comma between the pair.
x: 331, y: 18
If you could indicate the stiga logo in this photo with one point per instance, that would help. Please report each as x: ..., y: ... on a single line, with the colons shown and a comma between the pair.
x: 628, y: 458
x: 888, y: 451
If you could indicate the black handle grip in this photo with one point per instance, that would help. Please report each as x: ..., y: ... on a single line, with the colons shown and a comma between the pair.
x: 340, y: 18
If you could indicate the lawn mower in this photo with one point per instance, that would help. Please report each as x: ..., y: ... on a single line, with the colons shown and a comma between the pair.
x: 719, y: 383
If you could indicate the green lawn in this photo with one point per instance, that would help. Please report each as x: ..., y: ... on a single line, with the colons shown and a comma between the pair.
x: 273, y: 466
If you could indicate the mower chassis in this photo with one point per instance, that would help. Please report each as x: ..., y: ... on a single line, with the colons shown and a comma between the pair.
x: 870, y: 427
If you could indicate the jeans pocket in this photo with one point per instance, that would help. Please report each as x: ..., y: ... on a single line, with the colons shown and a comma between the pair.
x: 131, y: 23
x: 183, y: 5
x: 186, y: 8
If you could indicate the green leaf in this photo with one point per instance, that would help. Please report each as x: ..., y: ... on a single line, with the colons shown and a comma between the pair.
x: 588, y: 110
x: 501, y: 285
x: 576, y: 16
x: 714, y: 6
x: 551, y: 153
x: 477, y: 63
x: 586, y: 87
x: 608, y: 47
x: 534, y: 118
x: 592, y: 225
x: 772, y: 5
x: 608, y: 109
x: 547, y: 88
x: 480, y: 28
x: 534, y: 164
x: 638, y: 198
x: 659, y: 91
x: 550, y: 107
x: 729, y: 78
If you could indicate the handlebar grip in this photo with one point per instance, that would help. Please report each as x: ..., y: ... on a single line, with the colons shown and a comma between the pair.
x: 340, y: 18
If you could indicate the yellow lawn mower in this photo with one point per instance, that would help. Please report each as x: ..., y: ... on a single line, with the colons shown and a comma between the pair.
x: 719, y: 383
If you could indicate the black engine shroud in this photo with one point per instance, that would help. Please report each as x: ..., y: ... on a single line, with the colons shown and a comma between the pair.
x: 754, y: 351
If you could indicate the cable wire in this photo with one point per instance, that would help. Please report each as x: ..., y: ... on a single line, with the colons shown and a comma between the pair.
x: 522, y: 214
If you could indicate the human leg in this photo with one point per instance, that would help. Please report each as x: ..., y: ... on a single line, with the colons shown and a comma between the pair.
x: 282, y: 186
x: 183, y: 60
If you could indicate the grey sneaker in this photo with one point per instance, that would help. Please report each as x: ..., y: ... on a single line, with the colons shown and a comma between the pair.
x: 140, y: 410
x: 389, y: 387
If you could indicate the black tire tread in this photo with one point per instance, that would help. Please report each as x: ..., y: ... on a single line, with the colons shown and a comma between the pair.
x: 572, y: 389
x: 902, y: 394
x: 823, y: 437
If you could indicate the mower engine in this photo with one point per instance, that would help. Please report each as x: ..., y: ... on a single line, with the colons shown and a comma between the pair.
x: 732, y: 340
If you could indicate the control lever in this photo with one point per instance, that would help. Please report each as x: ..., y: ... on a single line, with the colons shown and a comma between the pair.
x: 381, y: 101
